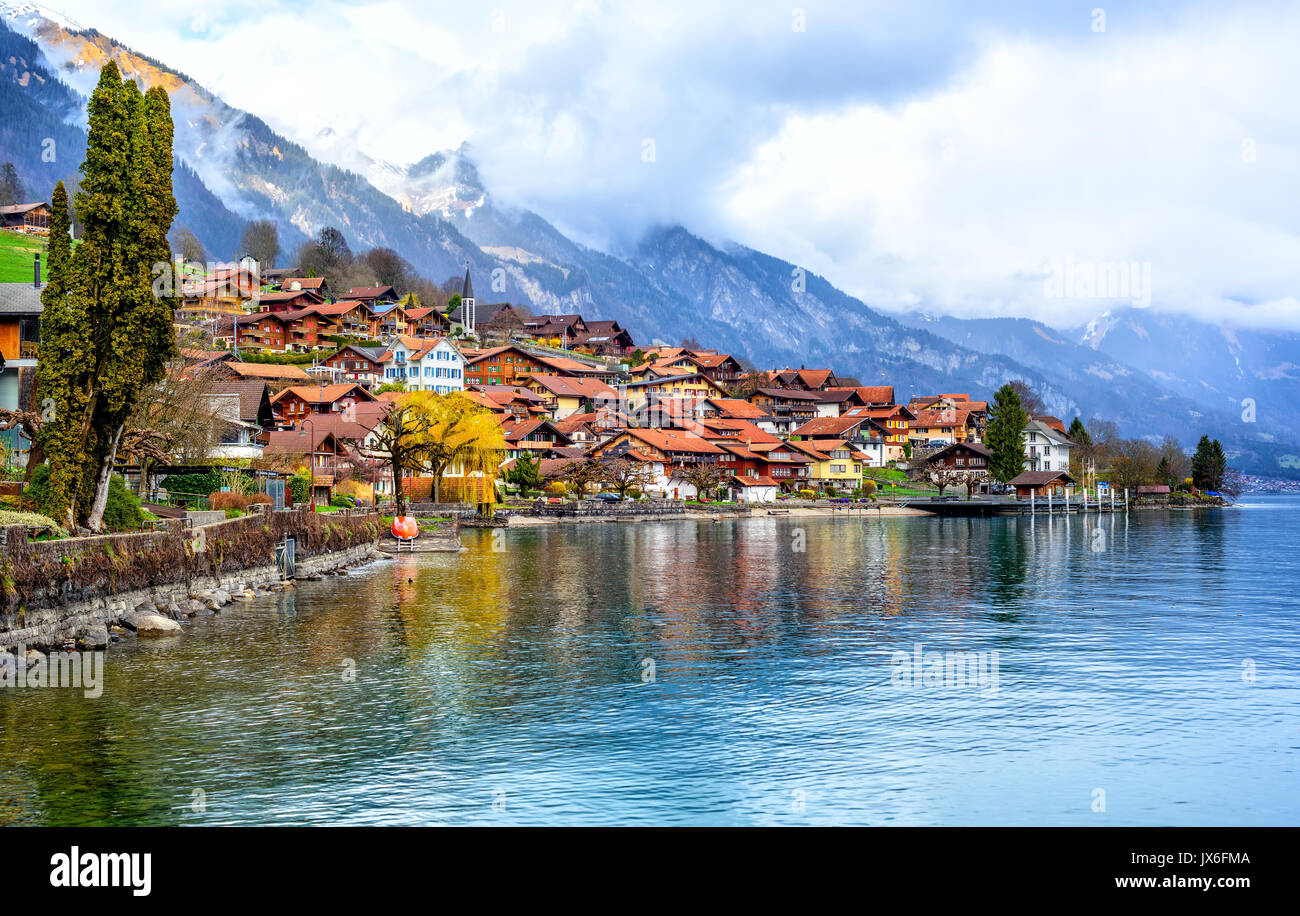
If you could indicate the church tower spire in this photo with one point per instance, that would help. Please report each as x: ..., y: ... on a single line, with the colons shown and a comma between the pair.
x: 468, y: 308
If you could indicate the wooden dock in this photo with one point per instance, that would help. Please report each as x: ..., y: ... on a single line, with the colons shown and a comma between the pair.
x: 985, y: 507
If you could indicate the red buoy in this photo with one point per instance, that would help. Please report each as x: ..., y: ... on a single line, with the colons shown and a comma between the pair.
x: 405, y: 527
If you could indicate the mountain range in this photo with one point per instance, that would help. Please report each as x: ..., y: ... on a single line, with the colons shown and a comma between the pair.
x: 1154, y: 374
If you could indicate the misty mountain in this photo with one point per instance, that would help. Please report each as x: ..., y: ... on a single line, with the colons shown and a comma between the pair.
x: 1157, y: 375
x: 1219, y: 364
x: 232, y: 167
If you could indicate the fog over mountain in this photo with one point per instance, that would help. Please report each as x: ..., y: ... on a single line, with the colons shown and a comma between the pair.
x: 1152, y: 371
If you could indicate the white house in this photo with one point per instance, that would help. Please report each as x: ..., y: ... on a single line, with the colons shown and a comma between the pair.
x: 753, y: 489
x: 425, y: 364
x: 239, y: 437
x: 1046, y: 448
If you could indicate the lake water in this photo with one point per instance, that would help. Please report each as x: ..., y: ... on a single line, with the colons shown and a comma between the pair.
x: 743, y: 672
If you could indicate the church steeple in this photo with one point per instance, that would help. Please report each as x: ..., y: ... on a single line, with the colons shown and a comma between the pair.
x: 468, y: 308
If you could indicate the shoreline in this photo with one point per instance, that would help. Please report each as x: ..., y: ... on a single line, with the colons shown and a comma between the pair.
x: 536, y: 521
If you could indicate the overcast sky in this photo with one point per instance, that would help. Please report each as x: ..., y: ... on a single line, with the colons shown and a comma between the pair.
x: 977, y: 159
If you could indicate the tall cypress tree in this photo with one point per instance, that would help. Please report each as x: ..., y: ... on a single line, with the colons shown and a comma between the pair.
x: 65, y: 351
x: 1005, y: 435
x: 109, y: 331
x: 141, y: 338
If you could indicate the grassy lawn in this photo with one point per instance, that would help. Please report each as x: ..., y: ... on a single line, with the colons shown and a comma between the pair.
x: 16, y: 256
x: 885, y: 474
x: 912, y: 491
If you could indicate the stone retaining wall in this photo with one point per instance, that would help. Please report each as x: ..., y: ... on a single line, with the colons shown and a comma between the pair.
x: 54, y: 590
x: 79, y: 621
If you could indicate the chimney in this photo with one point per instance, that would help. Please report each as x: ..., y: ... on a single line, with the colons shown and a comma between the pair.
x: 36, y: 271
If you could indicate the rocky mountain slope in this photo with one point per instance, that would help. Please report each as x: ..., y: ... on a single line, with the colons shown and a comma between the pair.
x: 232, y: 167
x: 1162, y: 375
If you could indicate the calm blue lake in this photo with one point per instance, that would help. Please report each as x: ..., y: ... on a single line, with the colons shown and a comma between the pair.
x: 761, y: 671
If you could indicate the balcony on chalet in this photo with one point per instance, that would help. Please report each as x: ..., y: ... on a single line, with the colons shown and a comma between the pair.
x: 20, y: 339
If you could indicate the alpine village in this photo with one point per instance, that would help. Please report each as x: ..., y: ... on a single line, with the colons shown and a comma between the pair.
x: 214, y: 412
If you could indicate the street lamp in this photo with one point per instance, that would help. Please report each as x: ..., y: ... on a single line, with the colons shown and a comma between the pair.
x: 311, y: 462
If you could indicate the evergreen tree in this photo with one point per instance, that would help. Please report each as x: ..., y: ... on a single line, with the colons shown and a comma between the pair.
x: 1163, y: 472
x: 1209, y: 464
x: 526, y: 473
x: 110, y: 335
x: 142, y: 339
x: 1005, y: 435
x: 64, y: 353
x: 1078, y: 433
x: 11, y: 188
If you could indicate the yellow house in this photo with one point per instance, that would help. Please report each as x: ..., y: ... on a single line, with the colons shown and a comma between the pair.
x: 835, y: 462
x: 564, y: 397
x: 692, y: 386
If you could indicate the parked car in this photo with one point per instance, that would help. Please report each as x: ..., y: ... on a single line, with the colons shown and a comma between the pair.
x: 609, y: 496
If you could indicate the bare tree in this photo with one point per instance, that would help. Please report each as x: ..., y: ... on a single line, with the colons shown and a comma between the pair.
x: 261, y: 240
x: 174, y: 421
x: 191, y: 249
x: 1174, y: 466
x: 579, y: 475
x: 1133, y: 462
x: 623, y: 474
x: 941, y: 476
x: 970, y: 480
x: 1029, y: 399
x: 705, y: 477
x: 390, y: 268
x: 329, y: 256
x: 1233, y: 483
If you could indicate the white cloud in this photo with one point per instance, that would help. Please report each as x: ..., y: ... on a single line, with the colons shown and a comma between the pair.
x: 1126, y: 149
x: 918, y: 155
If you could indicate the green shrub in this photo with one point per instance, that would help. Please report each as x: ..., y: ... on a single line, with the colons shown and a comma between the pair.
x: 299, y: 485
x: 206, y: 482
x: 122, y: 511
x: 36, y: 493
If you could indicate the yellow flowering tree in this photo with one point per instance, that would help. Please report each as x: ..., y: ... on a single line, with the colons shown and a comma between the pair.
x: 427, y: 431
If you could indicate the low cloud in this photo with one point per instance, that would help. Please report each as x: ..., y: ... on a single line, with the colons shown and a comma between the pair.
x: 940, y: 156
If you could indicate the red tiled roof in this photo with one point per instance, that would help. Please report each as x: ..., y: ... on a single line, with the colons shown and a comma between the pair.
x: 266, y: 370
x: 673, y: 440
x: 573, y: 387
x: 735, y: 407
x: 760, y: 481
x: 286, y: 296
x: 324, y: 394
x: 369, y: 292
x: 829, y: 426
x: 873, y: 394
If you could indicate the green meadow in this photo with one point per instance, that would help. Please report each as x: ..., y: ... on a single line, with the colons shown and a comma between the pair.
x: 16, y: 256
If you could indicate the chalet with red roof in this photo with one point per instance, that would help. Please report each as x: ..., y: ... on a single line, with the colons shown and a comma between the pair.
x: 299, y: 402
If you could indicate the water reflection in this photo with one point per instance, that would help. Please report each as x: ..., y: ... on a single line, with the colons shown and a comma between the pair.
x: 510, y: 686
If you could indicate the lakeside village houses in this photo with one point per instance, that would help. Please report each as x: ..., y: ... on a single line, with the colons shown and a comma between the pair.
x: 563, y: 387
